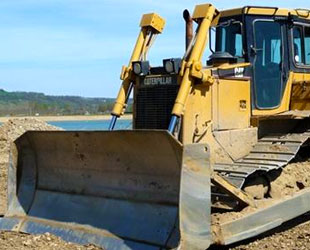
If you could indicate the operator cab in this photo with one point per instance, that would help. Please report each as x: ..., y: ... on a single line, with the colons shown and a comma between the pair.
x: 275, y: 41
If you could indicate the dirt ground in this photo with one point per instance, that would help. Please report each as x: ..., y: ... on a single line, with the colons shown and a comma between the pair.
x: 19, y: 241
x: 294, y: 235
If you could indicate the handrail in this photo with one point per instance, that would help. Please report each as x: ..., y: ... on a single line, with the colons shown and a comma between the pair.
x: 302, y: 10
x: 259, y: 7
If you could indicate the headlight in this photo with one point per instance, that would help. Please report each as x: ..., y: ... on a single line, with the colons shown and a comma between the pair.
x: 172, y: 65
x: 169, y: 66
x: 137, y: 68
x: 141, y: 67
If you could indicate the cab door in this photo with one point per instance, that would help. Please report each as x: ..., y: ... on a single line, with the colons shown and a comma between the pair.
x: 266, y: 55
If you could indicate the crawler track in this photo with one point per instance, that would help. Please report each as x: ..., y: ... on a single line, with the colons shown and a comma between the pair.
x: 270, y: 153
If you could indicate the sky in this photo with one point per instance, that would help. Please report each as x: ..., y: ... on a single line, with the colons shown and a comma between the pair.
x: 77, y: 47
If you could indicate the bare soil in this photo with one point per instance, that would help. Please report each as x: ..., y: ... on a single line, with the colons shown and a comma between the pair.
x: 294, y: 177
x: 20, y: 241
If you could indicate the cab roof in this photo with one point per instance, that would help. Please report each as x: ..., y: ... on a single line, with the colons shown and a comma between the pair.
x: 267, y: 11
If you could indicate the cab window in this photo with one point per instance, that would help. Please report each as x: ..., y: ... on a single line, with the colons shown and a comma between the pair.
x: 301, y: 46
x: 297, y: 38
x: 229, y: 39
x: 307, y: 45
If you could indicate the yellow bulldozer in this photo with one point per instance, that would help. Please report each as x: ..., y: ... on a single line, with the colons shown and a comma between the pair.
x: 208, y: 140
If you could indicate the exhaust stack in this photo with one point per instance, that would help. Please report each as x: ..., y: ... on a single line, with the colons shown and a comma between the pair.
x: 188, y: 27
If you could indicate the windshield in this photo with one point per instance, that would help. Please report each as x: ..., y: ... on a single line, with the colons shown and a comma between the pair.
x: 229, y: 39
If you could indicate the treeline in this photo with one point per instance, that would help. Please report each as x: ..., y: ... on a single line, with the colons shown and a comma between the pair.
x: 31, y: 104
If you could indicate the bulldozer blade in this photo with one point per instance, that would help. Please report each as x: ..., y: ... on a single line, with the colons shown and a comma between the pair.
x: 114, y: 189
x: 195, y: 198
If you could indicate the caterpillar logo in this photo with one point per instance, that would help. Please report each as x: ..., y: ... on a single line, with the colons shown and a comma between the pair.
x: 162, y: 80
x: 239, y: 72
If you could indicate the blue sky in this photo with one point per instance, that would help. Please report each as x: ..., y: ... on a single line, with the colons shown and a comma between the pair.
x: 77, y: 47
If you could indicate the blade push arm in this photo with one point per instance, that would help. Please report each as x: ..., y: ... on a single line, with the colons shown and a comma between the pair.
x: 151, y: 24
x: 191, y: 65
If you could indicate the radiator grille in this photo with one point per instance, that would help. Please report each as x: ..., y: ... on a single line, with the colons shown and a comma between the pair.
x: 154, y: 105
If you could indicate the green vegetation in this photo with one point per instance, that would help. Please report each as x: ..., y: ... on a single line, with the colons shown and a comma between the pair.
x: 31, y: 103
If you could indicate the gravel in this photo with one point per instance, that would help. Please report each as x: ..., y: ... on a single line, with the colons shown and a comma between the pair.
x: 20, y: 241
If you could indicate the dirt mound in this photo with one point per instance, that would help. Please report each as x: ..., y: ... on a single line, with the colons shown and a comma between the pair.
x: 294, y: 177
x: 9, y: 132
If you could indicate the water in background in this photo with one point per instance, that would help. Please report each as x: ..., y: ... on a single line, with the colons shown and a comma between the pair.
x: 91, y: 125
